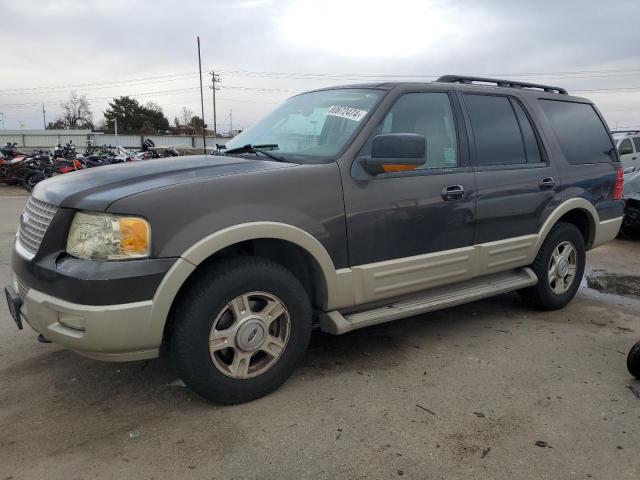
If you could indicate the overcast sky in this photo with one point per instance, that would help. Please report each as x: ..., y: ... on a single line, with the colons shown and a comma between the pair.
x: 268, y: 50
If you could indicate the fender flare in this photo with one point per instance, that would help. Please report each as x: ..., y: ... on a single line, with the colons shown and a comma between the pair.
x: 337, y: 282
x: 564, y: 208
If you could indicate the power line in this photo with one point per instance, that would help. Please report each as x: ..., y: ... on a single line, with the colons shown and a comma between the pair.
x: 310, y: 76
x: 143, y: 94
x: 112, y: 82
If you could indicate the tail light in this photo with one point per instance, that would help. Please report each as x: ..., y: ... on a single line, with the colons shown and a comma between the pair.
x: 617, y: 190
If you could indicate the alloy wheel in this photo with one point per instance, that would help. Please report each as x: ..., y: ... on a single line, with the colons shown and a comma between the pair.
x: 249, y: 335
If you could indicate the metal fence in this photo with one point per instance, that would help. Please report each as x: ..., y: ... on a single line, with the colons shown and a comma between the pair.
x: 47, y: 139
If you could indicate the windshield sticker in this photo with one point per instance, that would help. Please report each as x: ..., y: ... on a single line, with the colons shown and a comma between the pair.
x: 347, y: 112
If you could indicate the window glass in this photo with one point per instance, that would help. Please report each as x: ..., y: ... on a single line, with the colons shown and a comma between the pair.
x: 495, y: 130
x: 582, y: 136
x: 428, y: 114
x: 636, y: 143
x: 314, y: 125
x: 530, y: 142
x: 625, y: 144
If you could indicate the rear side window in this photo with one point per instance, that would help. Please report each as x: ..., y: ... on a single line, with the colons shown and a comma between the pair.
x: 502, y: 131
x: 636, y: 142
x: 582, y: 136
x: 528, y: 136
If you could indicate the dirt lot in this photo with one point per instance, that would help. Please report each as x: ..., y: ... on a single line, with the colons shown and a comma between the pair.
x: 463, y: 393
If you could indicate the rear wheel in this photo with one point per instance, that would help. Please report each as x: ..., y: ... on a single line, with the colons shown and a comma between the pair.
x: 559, y: 266
x: 240, y: 330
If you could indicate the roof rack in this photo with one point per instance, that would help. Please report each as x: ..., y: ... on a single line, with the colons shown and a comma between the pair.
x: 627, y: 132
x: 500, y: 83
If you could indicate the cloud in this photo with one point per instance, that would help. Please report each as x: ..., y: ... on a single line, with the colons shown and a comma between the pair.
x: 71, y: 42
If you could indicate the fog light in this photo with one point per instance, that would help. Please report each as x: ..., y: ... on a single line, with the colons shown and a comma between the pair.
x: 73, y: 322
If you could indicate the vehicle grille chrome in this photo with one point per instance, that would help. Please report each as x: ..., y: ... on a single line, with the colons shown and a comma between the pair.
x: 34, y: 222
x: 22, y: 289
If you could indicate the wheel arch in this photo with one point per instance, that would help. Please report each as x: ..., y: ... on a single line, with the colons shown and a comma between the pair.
x: 291, y: 246
x: 576, y: 211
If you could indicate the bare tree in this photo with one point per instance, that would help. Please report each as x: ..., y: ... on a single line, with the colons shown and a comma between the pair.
x: 186, y: 115
x: 153, y: 106
x: 77, y: 113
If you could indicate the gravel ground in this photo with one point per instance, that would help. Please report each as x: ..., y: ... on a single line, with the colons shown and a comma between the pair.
x: 464, y: 393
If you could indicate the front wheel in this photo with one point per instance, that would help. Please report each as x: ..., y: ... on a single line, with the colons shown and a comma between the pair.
x: 240, y: 330
x: 559, y: 266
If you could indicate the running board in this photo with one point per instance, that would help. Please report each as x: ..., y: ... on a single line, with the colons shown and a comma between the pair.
x: 434, y: 299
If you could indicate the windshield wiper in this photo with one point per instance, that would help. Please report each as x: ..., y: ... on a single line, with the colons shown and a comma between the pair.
x: 248, y: 148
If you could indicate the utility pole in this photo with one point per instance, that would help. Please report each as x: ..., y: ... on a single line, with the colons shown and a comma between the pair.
x: 2, y: 114
x: 230, y: 121
x: 215, y: 78
x: 115, y: 129
x: 44, y: 117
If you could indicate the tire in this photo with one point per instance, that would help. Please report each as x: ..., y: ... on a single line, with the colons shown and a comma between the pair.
x: 546, y: 293
x: 633, y: 361
x: 208, y: 310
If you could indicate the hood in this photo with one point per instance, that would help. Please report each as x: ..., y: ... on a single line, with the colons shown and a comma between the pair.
x: 96, y: 188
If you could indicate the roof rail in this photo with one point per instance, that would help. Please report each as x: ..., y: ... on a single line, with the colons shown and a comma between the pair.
x: 468, y: 80
x: 628, y: 132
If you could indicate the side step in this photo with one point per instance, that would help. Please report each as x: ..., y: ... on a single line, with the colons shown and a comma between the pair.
x: 435, y: 299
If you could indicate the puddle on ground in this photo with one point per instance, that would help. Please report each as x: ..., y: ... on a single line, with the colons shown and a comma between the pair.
x: 625, y: 285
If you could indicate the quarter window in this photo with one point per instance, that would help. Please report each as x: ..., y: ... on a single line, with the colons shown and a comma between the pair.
x: 636, y: 142
x: 582, y: 135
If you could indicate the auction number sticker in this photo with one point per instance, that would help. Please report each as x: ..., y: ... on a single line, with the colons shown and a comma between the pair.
x: 347, y: 112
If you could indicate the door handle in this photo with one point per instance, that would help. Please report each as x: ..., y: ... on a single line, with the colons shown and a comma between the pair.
x: 546, y: 183
x: 452, y: 192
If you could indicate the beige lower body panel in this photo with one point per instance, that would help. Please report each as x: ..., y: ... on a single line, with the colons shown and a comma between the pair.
x: 110, y: 332
x: 438, y: 298
x: 393, y: 278
x: 607, y: 230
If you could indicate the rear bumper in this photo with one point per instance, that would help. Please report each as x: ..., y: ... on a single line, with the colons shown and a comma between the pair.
x: 121, y: 332
x: 607, y: 230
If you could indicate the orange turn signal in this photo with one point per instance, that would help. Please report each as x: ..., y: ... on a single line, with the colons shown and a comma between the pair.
x: 398, y: 168
x: 134, y: 235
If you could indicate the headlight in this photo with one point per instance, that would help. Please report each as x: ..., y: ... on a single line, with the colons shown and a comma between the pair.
x: 100, y: 236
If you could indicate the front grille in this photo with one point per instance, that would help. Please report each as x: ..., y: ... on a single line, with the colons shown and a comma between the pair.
x: 34, y: 222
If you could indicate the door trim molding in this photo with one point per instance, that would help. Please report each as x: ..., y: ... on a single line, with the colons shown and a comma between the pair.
x: 393, y: 278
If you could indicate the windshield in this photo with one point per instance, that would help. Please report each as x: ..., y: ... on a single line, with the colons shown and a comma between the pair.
x: 313, y: 125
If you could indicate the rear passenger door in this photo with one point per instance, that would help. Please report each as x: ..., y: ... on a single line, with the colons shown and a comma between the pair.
x: 517, y: 187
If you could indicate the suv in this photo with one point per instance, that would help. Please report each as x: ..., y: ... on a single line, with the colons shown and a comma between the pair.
x: 345, y: 207
x: 627, y: 142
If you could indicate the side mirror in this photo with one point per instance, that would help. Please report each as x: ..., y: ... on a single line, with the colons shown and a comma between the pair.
x: 625, y: 150
x: 395, y: 152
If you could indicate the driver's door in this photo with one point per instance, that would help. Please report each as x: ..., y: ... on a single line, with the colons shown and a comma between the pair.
x: 411, y: 230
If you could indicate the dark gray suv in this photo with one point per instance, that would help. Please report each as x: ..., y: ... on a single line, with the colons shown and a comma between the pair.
x: 345, y: 207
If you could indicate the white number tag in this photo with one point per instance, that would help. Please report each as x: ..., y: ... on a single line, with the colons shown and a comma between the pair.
x: 347, y: 112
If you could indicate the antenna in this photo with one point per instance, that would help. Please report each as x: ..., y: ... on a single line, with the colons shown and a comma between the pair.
x: 204, y: 131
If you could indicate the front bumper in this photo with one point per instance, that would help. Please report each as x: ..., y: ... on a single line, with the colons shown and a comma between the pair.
x: 121, y: 332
